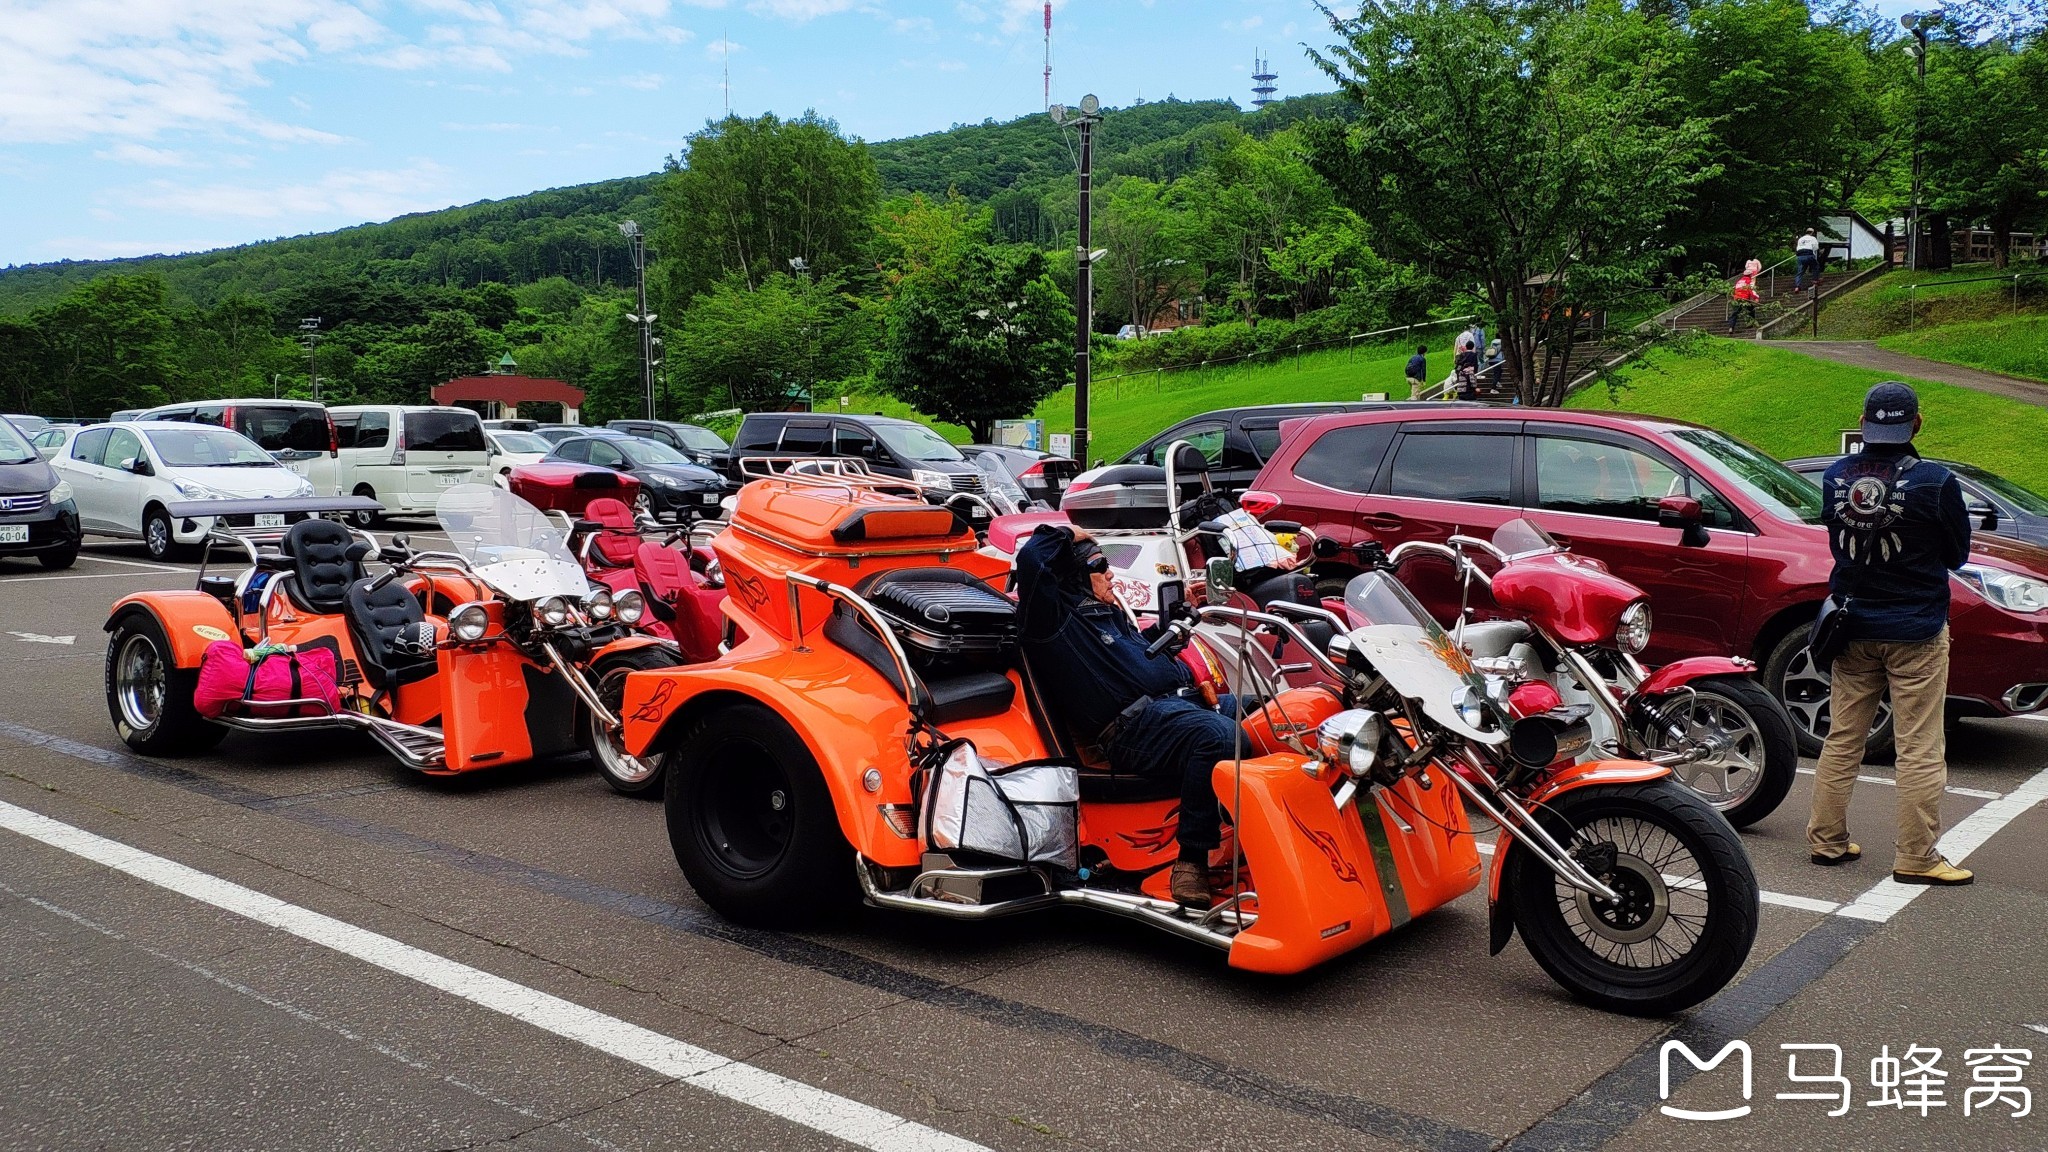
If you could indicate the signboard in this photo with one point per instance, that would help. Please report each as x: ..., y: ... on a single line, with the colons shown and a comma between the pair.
x: 1061, y: 444
x: 1020, y: 434
x: 1374, y: 397
x: 1852, y: 441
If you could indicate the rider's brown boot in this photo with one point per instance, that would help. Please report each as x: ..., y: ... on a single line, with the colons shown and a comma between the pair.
x: 1190, y: 884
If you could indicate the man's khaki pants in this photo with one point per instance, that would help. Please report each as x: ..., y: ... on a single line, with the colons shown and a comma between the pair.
x: 1415, y: 388
x: 1917, y: 674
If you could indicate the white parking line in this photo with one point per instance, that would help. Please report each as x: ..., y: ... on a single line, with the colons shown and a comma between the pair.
x: 1781, y: 899
x: 1887, y: 898
x: 792, y: 1100
x: 1888, y: 782
x: 80, y: 576
x: 98, y: 559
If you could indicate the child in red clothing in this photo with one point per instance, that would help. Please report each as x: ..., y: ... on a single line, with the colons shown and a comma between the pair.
x: 1742, y: 300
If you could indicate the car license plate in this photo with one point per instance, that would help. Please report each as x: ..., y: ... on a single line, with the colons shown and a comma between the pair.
x: 708, y: 497
x: 13, y: 533
x: 270, y: 519
x: 451, y: 480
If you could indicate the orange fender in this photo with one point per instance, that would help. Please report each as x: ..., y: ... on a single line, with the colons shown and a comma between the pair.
x: 191, y: 620
x: 1505, y: 847
x: 843, y: 710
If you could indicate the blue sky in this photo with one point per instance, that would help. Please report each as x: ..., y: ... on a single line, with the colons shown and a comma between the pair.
x: 137, y: 126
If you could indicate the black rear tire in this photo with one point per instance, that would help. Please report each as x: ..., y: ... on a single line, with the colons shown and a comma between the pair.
x: 59, y: 560
x: 1655, y: 826
x: 157, y: 537
x: 1789, y: 675
x: 753, y: 825
x: 363, y: 519
x: 1769, y: 743
x: 149, y: 697
x: 638, y: 776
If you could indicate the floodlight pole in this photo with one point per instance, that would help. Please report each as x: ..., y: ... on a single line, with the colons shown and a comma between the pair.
x: 1916, y: 24
x: 1084, y: 119
x: 310, y: 327
x: 638, y: 240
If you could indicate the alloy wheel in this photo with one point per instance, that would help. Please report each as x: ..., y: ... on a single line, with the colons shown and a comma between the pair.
x: 1805, y: 693
x: 139, y: 680
x: 1734, y: 765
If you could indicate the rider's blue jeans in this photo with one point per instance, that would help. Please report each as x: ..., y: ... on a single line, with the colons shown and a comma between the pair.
x: 1181, y: 739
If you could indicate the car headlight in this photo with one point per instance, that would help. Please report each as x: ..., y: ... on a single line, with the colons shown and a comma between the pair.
x: 198, y: 491
x: 553, y: 611
x: 629, y: 607
x: 926, y: 478
x: 1633, y: 633
x: 599, y: 604
x: 2009, y: 590
x: 664, y: 481
x: 1351, y: 739
x: 61, y: 492
x: 469, y: 622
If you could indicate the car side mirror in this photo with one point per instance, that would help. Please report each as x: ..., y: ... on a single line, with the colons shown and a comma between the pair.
x: 138, y: 465
x: 1221, y: 576
x: 1985, y: 515
x: 1683, y: 513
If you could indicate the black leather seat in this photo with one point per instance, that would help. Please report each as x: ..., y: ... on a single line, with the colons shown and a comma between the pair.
x: 960, y: 695
x: 1290, y: 588
x: 393, y: 638
x: 326, y: 558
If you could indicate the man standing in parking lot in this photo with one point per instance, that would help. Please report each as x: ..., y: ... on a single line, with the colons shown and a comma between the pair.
x: 1898, y: 527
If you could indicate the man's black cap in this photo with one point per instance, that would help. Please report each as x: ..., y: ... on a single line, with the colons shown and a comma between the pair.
x: 1889, y: 411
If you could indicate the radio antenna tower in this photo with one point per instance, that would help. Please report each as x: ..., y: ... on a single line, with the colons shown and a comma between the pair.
x: 1048, y: 53
x: 1263, y: 77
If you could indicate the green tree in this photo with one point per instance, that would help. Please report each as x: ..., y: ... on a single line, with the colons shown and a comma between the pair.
x: 748, y: 196
x: 1147, y: 268
x: 761, y: 348
x: 1986, y: 135
x: 1536, y: 152
x: 982, y: 336
x: 106, y: 345
x: 1238, y: 208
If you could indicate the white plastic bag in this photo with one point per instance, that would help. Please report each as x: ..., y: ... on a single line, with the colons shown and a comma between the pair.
x: 1024, y: 813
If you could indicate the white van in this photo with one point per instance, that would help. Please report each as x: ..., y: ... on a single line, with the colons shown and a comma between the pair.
x: 405, y: 455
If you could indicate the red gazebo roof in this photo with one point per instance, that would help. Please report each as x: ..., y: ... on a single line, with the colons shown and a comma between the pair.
x: 508, y: 389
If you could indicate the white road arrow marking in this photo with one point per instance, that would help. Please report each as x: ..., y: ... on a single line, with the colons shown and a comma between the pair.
x: 39, y: 638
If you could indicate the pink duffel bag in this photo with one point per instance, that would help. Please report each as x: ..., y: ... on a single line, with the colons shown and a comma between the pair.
x: 227, y: 679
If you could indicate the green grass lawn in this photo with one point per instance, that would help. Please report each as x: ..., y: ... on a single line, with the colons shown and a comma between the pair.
x: 1901, y: 301
x: 1792, y: 405
x: 1124, y: 412
x: 2014, y: 345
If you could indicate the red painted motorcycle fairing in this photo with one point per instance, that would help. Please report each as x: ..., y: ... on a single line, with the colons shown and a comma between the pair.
x: 1682, y: 672
x: 1506, y: 847
x: 1573, y: 599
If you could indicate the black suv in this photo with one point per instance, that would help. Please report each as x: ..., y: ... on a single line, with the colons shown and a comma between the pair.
x: 1238, y: 440
x: 901, y: 448
x: 701, y: 445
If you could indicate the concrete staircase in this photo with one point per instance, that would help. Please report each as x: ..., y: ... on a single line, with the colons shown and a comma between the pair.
x: 1776, y: 310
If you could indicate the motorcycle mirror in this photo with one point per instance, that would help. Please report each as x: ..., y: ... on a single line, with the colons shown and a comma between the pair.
x: 1221, y: 575
x: 402, y: 541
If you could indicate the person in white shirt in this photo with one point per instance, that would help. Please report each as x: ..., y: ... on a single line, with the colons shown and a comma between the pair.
x: 1807, y: 248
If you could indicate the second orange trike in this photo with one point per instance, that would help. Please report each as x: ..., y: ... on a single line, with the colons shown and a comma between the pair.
x: 877, y: 734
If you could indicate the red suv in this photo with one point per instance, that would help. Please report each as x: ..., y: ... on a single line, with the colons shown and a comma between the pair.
x: 1737, y: 564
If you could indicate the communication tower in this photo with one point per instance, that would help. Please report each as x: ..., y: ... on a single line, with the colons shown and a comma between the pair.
x: 1262, y: 81
x: 1048, y: 53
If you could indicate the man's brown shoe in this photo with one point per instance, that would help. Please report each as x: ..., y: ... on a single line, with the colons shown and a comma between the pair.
x: 1943, y: 872
x: 1846, y: 855
x: 1190, y: 885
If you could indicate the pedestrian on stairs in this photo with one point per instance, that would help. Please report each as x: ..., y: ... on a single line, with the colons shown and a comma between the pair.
x: 1807, y: 250
x: 1742, y: 299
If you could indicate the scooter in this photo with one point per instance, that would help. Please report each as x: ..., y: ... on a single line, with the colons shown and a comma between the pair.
x: 491, y: 654
x: 880, y: 735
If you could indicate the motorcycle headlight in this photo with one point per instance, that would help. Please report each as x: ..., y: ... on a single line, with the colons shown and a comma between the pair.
x: 714, y: 574
x: 1351, y: 739
x: 599, y: 604
x: 553, y: 611
x: 926, y: 478
x: 1633, y: 634
x: 629, y: 606
x: 2009, y: 590
x: 61, y: 492
x: 469, y: 622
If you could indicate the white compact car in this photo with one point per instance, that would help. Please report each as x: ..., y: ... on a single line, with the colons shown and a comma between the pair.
x: 124, y: 476
x: 510, y: 449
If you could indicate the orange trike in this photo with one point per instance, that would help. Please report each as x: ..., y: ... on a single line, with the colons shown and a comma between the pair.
x: 877, y: 734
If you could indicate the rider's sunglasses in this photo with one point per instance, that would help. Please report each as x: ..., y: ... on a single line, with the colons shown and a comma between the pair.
x: 1090, y: 557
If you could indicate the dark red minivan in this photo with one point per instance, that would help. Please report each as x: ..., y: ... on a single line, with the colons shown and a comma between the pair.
x: 1741, y: 572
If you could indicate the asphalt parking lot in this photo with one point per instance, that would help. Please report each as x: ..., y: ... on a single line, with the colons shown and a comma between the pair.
x: 294, y: 943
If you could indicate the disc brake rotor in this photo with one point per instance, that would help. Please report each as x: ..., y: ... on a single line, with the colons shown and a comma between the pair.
x: 1644, y: 906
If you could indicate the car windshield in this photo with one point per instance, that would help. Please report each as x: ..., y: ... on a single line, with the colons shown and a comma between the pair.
x: 27, y: 423
x: 702, y: 439
x: 651, y: 452
x: 1784, y: 493
x: 2024, y: 499
x: 14, y: 449
x: 522, y: 442
x: 915, y: 442
x: 182, y: 447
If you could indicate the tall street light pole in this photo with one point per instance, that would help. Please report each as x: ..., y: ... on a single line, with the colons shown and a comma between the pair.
x: 631, y: 231
x: 1084, y: 119
x: 1916, y: 23
x: 309, y: 329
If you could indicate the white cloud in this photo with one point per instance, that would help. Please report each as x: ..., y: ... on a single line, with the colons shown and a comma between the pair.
x: 798, y: 10
x: 719, y: 49
x: 643, y: 81
x: 341, y: 195
x: 145, y: 156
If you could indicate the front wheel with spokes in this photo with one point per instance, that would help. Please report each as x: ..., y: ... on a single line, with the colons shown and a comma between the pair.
x: 1743, y: 753
x: 1688, y: 908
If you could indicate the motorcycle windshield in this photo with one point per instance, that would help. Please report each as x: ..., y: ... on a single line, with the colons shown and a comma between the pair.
x: 1520, y: 537
x: 510, y: 545
x: 1405, y: 644
x: 1001, y: 489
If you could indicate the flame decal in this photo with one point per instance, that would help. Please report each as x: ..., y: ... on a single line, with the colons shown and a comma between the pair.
x: 1327, y: 844
x: 1154, y: 839
x: 749, y: 588
x: 656, y: 705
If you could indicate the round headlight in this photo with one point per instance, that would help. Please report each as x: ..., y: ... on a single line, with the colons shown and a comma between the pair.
x: 714, y: 574
x: 628, y: 606
x: 599, y: 605
x: 469, y: 622
x: 1634, y: 633
x: 553, y: 611
x: 1351, y: 739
